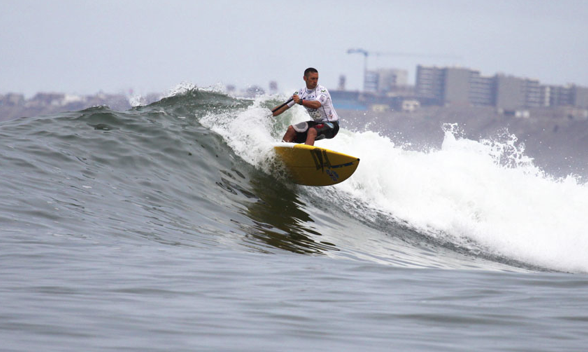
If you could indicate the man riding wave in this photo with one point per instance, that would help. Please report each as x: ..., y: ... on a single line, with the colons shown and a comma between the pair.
x: 317, y: 101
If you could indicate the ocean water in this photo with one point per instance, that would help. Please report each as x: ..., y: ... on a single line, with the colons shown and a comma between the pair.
x: 171, y: 227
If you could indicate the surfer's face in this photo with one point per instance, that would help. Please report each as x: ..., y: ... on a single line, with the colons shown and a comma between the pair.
x: 311, y: 80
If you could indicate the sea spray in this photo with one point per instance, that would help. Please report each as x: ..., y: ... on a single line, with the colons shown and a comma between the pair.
x: 484, y: 196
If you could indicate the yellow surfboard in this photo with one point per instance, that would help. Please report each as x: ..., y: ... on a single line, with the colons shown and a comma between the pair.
x: 315, y: 166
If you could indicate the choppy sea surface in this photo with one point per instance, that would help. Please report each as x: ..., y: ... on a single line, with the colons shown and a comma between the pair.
x: 172, y: 227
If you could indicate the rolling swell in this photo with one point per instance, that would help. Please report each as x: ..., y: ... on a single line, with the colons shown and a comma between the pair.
x: 151, y: 173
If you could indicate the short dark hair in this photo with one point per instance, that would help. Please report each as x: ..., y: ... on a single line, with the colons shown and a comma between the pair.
x: 309, y: 71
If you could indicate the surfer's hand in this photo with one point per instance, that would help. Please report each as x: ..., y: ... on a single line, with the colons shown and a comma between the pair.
x: 296, y: 98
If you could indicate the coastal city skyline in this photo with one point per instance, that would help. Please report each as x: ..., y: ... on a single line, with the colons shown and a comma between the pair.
x: 384, y: 90
x: 379, y: 80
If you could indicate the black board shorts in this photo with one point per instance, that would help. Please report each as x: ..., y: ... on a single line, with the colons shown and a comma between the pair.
x: 324, y: 130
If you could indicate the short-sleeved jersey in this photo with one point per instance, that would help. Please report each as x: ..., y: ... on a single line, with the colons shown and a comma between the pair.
x: 326, y: 112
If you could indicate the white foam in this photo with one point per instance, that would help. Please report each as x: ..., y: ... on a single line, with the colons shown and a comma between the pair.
x: 252, y: 133
x: 464, y: 193
x: 137, y: 100
x: 482, y: 194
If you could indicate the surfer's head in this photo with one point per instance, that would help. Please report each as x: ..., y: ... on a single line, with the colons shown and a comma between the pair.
x: 311, y: 78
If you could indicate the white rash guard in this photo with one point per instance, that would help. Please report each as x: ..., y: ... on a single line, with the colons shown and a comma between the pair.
x: 323, y: 114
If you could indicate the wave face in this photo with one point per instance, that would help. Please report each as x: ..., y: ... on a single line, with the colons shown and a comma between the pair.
x: 197, y: 169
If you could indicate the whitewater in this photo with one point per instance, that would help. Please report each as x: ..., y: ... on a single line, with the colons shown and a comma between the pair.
x: 172, y: 226
x: 483, y: 196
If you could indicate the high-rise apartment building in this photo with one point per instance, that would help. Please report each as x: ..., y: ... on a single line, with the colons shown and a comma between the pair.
x: 482, y: 89
x: 580, y: 97
x: 385, y: 80
x: 461, y: 86
x: 446, y: 86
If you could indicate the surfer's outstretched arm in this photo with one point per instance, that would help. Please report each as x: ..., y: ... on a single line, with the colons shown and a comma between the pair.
x: 280, y: 109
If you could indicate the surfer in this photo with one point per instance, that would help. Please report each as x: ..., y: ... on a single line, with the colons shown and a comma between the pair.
x: 317, y: 101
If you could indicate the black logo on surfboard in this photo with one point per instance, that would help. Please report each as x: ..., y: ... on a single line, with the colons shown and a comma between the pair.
x: 321, y: 159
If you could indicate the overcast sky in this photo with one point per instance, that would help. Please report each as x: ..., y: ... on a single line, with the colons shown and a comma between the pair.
x: 83, y: 47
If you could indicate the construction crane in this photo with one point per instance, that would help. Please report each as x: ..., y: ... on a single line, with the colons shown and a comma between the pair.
x: 366, y: 53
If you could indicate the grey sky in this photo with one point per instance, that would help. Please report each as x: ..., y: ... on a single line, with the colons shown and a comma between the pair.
x: 80, y: 46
